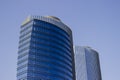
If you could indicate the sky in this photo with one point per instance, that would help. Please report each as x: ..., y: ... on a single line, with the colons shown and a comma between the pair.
x: 94, y: 23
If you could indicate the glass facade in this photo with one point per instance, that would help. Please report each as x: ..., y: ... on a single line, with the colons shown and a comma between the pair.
x: 45, y: 50
x: 87, y: 64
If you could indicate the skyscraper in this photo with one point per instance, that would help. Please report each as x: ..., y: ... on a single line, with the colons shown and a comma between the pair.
x: 45, y: 50
x: 87, y: 64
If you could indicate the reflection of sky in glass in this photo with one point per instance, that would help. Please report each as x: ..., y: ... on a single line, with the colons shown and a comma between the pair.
x: 87, y: 64
x: 94, y: 23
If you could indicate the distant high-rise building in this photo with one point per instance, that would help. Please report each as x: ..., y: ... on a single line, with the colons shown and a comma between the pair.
x: 87, y: 64
x: 45, y: 50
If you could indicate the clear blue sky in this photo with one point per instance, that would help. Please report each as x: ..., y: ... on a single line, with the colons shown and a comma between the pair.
x: 94, y: 23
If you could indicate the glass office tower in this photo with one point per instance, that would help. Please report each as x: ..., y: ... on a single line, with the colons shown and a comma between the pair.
x: 87, y: 64
x: 45, y: 50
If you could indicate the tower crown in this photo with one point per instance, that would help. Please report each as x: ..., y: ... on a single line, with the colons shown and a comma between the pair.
x: 53, y: 17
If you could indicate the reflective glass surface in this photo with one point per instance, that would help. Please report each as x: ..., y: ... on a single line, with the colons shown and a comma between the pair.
x: 45, y: 52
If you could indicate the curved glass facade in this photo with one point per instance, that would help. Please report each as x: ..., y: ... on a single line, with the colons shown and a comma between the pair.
x: 93, y: 65
x: 87, y: 64
x: 45, y: 51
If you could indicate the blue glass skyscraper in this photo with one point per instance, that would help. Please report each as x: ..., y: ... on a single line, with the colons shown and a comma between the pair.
x: 87, y: 64
x: 45, y: 50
